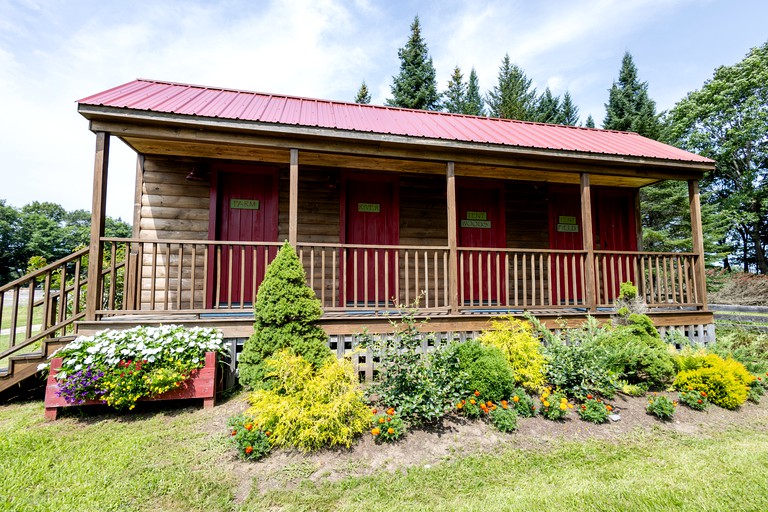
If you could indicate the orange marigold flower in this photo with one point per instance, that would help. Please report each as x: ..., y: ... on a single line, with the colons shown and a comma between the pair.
x: 563, y: 407
x: 489, y: 403
x: 374, y: 411
x: 703, y: 394
x: 248, y: 426
x: 459, y: 405
x: 609, y: 408
x: 477, y: 393
x: 391, y: 411
x: 472, y: 401
x: 589, y: 397
x: 504, y: 403
x: 381, y: 420
x: 504, y: 406
x: 267, y: 433
x: 248, y: 450
x: 390, y: 431
x: 583, y: 407
x: 389, y: 419
x: 515, y: 398
x: 701, y: 401
x: 376, y: 431
x: 234, y: 432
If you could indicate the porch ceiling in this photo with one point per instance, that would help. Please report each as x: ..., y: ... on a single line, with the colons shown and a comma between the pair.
x: 517, y: 169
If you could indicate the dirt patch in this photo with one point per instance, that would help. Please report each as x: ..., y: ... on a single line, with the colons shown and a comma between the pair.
x: 456, y: 436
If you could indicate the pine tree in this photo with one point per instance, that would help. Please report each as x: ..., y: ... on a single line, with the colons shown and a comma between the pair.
x: 415, y: 86
x: 569, y: 111
x: 629, y: 108
x: 286, y: 311
x: 474, y: 104
x: 513, y: 97
x: 455, y: 97
x: 363, y: 95
x: 590, y: 122
x: 547, y: 108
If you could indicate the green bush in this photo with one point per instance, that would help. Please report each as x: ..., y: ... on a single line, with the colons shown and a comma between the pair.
x: 515, y: 338
x: 554, y: 406
x: 487, y: 370
x: 309, y: 409
x: 594, y: 410
x: 661, y: 407
x: 523, y: 403
x: 251, y: 442
x: 422, y: 387
x: 725, y: 381
x: 747, y: 347
x: 387, y: 426
x: 635, y: 355
x: 696, y: 400
x: 580, y: 369
x: 504, y: 418
x: 286, y: 309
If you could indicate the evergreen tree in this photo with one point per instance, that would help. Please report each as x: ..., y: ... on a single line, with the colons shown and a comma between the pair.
x: 569, y: 111
x: 547, y: 108
x: 474, y: 104
x: 415, y: 86
x: 590, y: 122
x: 286, y: 311
x: 363, y: 95
x: 513, y: 97
x: 629, y: 108
x: 455, y: 97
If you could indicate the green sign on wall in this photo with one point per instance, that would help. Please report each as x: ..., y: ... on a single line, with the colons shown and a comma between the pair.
x: 244, y: 204
x: 477, y: 216
x: 485, y: 224
x: 566, y: 219
x: 369, y: 207
x: 567, y: 228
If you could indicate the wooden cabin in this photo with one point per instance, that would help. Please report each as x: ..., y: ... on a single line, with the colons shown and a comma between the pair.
x: 469, y: 216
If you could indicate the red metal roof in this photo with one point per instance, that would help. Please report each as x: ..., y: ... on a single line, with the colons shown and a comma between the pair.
x: 194, y: 100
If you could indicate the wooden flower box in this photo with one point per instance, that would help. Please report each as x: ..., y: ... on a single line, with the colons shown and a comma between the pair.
x: 201, y: 384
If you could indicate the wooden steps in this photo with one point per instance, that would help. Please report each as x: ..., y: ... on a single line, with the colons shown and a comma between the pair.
x: 22, y: 367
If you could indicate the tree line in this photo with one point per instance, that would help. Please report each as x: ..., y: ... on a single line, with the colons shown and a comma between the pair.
x: 726, y: 120
x: 42, y: 232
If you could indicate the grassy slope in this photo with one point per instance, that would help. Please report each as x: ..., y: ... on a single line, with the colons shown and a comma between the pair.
x: 170, y: 462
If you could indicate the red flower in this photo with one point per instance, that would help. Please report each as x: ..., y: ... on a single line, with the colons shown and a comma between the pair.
x: 589, y: 397
x: 248, y: 450
x: 701, y: 401
x: 267, y: 433
x: 477, y: 393
x: 374, y: 411
x: 234, y: 432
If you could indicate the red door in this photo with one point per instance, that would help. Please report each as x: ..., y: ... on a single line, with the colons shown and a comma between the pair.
x: 244, y: 199
x: 480, y: 210
x: 615, y: 231
x: 565, y: 234
x: 371, y: 218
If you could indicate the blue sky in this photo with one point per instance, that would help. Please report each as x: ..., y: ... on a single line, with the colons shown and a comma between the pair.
x: 55, y: 52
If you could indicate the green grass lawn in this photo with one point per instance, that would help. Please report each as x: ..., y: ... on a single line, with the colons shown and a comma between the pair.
x: 178, y: 460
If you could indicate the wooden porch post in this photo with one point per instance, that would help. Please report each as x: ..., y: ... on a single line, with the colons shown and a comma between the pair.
x: 453, y: 260
x: 293, y: 199
x: 131, y: 292
x: 588, y: 241
x: 697, y: 235
x: 98, y: 213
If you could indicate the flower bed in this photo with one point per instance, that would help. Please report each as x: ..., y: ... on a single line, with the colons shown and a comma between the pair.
x: 119, y: 368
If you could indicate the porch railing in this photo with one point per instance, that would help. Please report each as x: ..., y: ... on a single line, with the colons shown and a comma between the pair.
x: 199, y: 276
x: 43, y: 304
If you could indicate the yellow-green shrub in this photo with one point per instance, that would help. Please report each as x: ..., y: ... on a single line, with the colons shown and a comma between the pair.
x: 309, y: 409
x: 725, y: 381
x: 522, y: 348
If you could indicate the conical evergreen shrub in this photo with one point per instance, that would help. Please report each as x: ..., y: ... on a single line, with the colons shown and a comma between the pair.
x: 286, y: 309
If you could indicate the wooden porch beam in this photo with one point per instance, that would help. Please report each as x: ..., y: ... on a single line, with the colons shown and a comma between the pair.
x: 588, y: 241
x: 697, y: 236
x: 453, y: 260
x: 293, y: 199
x: 98, y: 215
